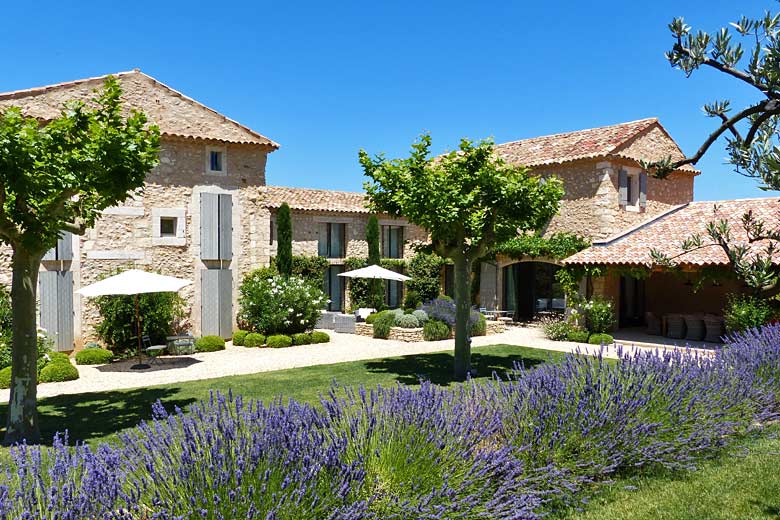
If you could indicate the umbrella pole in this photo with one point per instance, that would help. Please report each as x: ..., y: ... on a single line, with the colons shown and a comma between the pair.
x: 140, y: 365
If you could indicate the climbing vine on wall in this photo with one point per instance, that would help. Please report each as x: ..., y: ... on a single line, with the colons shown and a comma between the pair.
x: 557, y: 246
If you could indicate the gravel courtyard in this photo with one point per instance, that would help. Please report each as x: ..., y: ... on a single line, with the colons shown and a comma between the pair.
x: 241, y: 360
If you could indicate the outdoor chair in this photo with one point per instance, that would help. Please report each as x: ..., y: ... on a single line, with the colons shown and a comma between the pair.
x: 694, y: 326
x: 653, y: 324
x: 181, y: 345
x: 326, y: 320
x: 152, y: 351
x: 344, y: 323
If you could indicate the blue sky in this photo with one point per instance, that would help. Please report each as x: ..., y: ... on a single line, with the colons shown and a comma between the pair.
x: 325, y: 79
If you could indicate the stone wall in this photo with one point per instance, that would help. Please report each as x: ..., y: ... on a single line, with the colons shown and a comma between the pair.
x: 409, y: 335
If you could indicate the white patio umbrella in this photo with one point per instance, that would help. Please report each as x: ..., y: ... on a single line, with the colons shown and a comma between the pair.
x: 135, y: 282
x: 375, y: 272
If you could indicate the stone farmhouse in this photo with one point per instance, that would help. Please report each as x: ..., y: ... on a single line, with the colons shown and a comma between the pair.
x: 206, y: 214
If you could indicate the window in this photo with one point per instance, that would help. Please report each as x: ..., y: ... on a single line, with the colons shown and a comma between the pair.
x: 392, y: 241
x: 168, y: 226
x: 332, y: 243
x: 334, y: 287
x: 632, y: 191
x: 215, y: 160
x: 272, y: 232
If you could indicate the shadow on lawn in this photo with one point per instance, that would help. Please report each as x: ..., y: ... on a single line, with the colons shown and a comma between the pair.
x: 437, y: 368
x: 91, y: 415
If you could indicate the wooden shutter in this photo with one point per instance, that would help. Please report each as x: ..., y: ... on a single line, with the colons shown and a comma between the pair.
x: 64, y: 310
x: 643, y: 190
x: 209, y: 302
x: 65, y: 246
x: 216, y: 302
x: 225, y: 228
x: 322, y: 245
x: 47, y: 290
x: 623, y: 188
x: 225, y: 303
x: 209, y: 226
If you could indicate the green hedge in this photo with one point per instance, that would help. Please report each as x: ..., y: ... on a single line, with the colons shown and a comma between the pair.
x: 57, y: 372
x: 239, y: 337
x: 254, y: 339
x: 209, y: 344
x: 578, y: 336
x: 94, y: 356
x: 435, y: 330
x: 279, y: 341
x: 320, y: 337
x: 598, y: 339
x: 302, y: 338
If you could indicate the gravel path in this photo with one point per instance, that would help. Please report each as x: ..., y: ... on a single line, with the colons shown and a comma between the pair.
x: 240, y: 360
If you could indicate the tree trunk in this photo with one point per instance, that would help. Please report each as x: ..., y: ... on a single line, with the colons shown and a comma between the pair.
x: 22, y: 411
x: 462, y: 311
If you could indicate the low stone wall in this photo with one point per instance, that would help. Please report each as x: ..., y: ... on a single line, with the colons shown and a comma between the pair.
x: 409, y: 335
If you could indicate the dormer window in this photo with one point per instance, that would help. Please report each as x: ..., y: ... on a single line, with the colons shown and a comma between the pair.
x: 632, y: 189
x: 215, y: 160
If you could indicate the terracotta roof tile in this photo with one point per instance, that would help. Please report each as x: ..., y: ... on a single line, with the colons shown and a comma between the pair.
x: 667, y: 231
x: 592, y: 143
x: 307, y: 199
x: 175, y: 114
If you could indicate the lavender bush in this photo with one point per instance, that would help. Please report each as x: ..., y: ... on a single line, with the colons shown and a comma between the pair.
x: 518, y: 448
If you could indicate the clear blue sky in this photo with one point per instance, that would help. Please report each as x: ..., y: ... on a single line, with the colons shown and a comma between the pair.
x: 327, y: 78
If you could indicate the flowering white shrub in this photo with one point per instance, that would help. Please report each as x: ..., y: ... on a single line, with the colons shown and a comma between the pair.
x: 272, y: 304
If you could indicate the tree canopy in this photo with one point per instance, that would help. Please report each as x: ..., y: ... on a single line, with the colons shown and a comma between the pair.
x: 58, y: 176
x: 467, y: 200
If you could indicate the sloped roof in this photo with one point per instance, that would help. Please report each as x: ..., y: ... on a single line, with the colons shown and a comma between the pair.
x: 175, y: 114
x: 592, y: 143
x: 306, y: 199
x: 666, y: 233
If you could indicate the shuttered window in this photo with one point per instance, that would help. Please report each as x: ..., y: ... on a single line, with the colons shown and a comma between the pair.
x: 332, y: 240
x: 63, y: 251
x: 216, y: 226
x: 56, y: 311
x: 392, y: 241
x: 334, y: 287
x: 216, y: 302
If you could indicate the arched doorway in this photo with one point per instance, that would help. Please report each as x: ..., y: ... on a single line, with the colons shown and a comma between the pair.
x: 530, y: 289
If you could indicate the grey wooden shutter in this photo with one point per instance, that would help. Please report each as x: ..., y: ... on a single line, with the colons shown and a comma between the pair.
x: 216, y: 302
x: 623, y: 187
x: 322, y: 245
x: 643, y: 190
x: 209, y: 226
x: 488, y: 291
x: 51, y: 254
x: 65, y: 246
x: 47, y: 290
x: 225, y: 226
x: 64, y: 310
x: 209, y: 302
x: 225, y: 303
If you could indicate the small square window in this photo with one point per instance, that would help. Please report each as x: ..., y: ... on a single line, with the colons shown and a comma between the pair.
x: 167, y: 226
x: 215, y: 161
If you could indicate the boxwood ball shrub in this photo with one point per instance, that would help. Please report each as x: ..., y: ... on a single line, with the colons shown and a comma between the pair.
x: 601, y: 339
x: 57, y: 372
x: 209, y: 344
x: 253, y: 339
x: 94, y: 356
x: 272, y: 304
x: 5, y: 377
x: 302, y: 338
x: 239, y: 337
x: 383, y: 323
x: 578, y: 336
x: 435, y: 330
x: 407, y: 321
x: 320, y: 337
x: 279, y: 341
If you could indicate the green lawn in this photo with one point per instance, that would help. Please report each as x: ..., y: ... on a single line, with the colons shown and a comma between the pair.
x: 98, y: 416
x: 743, y: 484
